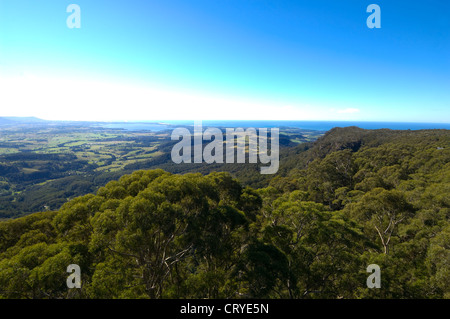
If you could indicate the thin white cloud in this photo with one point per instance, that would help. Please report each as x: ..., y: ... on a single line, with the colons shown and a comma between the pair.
x: 348, y: 111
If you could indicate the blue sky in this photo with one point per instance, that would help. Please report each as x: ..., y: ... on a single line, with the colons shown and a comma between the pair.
x: 226, y: 59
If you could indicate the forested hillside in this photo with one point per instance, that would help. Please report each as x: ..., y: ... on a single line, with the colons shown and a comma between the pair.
x: 353, y: 198
x: 43, y: 166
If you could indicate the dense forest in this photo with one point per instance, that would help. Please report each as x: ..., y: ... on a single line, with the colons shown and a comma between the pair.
x: 353, y: 198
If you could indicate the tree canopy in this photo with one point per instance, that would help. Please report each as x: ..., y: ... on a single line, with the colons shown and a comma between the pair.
x: 352, y: 199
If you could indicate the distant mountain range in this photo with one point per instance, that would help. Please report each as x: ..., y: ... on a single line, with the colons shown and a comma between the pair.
x: 20, y: 120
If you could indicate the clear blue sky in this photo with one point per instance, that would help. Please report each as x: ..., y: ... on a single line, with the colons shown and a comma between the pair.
x: 226, y: 59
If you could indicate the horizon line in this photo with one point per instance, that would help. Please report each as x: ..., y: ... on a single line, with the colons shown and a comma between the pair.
x: 161, y: 121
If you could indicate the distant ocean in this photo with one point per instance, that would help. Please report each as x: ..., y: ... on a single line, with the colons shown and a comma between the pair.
x: 306, y: 125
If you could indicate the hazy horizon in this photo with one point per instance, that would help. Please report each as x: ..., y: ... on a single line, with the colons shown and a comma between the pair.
x: 213, y: 120
x: 158, y: 125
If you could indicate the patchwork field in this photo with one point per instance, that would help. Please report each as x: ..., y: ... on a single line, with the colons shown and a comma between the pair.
x: 43, y: 165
